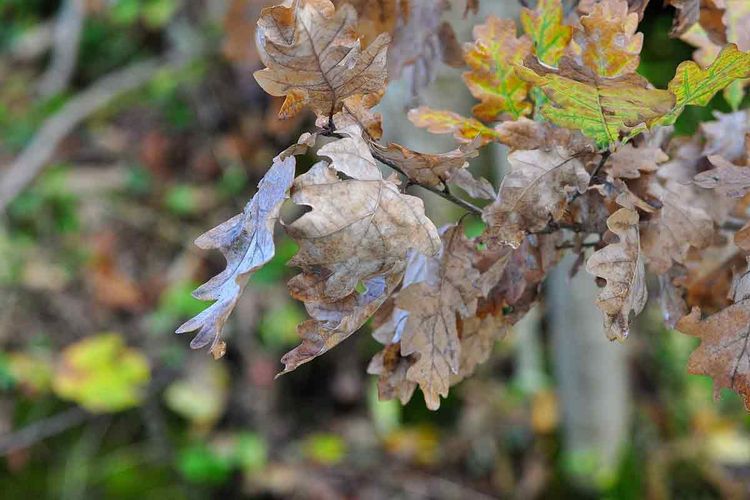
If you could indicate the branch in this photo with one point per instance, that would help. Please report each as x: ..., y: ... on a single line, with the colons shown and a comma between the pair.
x: 444, y: 193
x: 65, y: 46
x: 39, y: 151
x: 43, y: 429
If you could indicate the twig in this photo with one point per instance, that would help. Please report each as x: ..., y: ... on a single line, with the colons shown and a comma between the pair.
x: 572, y: 244
x: 43, y: 429
x: 39, y: 151
x: 67, y: 37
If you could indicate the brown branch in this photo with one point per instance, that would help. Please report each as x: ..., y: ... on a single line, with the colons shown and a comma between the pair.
x: 37, y: 154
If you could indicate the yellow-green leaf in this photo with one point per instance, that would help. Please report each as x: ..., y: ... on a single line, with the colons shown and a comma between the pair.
x: 492, y: 78
x: 102, y: 374
x: 604, y: 109
x: 693, y: 85
x: 545, y: 27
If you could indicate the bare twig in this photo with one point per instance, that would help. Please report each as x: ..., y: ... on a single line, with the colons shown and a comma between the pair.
x: 39, y: 151
x: 43, y: 429
x: 67, y: 37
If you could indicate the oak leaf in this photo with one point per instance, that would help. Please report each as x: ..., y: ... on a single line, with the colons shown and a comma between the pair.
x: 534, y: 192
x: 723, y: 353
x: 433, y: 307
x: 726, y: 136
x: 424, y: 168
x: 621, y: 265
x: 677, y: 226
x: 628, y: 162
x: 447, y: 122
x: 492, y: 79
x: 545, y: 26
x: 603, y: 109
x: 695, y: 86
x: 727, y: 178
x: 313, y: 57
x: 246, y: 241
x: 608, y: 43
x: 708, y: 13
x: 358, y: 231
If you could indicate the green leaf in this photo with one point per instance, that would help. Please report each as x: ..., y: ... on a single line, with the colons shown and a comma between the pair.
x: 695, y: 86
x: 604, y: 109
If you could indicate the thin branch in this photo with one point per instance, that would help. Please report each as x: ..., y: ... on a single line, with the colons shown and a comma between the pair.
x: 574, y: 245
x: 67, y: 37
x: 43, y: 429
x: 39, y: 151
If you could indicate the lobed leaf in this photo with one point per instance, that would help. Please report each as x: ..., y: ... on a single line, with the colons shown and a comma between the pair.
x: 545, y: 26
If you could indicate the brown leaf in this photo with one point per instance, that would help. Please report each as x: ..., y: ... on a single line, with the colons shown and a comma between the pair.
x: 424, y: 168
x: 477, y: 336
x: 391, y: 369
x: 726, y: 135
x: 621, y: 265
x: 476, y: 188
x: 313, y: 57
x: 534, y: 192
x: 672, y: 230
x: 708, y: 12
x: 246, y: 241
x: 376, y: 17
x: 628, y: 161
x: 726, y: 178
x: 742, y: 238
x: 433, y: 307
x: 358, y: 230
x: 671, y: 296
x: 723, y: 353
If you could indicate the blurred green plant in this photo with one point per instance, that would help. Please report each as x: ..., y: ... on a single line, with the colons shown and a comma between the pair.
x: 102, y: 374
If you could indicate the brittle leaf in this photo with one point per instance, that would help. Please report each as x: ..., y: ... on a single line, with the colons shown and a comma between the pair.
x: 447, y: 122
x: 727, y: 178
x: 534, y: 192
x: 621, y: 265
x: 723, y: 353
x: 246, y: 241
x: 313, y: 57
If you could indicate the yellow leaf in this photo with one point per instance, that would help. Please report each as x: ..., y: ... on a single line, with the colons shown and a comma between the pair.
x: 693, y: 85
x: 446, y: 122
x: 608, y: 43
x: 492, y: 78
x: 545, y: 27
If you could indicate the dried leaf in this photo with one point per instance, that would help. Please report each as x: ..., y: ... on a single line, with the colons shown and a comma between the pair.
x: 491, y: 78
x: 708, y: 12
x: 726, y: 136
x: 726, y: 178
x: 545, y: 26
x: 434, y: 305
x: 534, y: 192
x: 376, y: 17
x: 246, y: 241
x: 476, y: 188
x: 358, y: 230
x: 672, y: 230
x: 313, y: 57
x: 608, y: 43
x: 603, y: 109
x: 671, y: 296
x: 628, y: 161
x: 391, y: 369
x: 427, y: 169
x: 723, y: 353
x: 621, y: 265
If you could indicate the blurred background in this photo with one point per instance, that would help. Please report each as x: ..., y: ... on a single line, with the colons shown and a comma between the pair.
x: 128, y: 128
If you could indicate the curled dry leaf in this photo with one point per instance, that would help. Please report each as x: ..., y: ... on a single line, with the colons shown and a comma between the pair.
x: 424, y: 168
x: 723, y: 353
x: 726, y: 178
x: 313, y: 57
x: 492, y: 79
x: 708, y: 13
x: 534, y: 192
x: 621, y: 265
x: 628, y: 161
x: 375, y: 18
x: 246, y: 241
x: 358, y: 230
x: 433, y: 306
x: 608, y: 44
x: 677, y: 226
